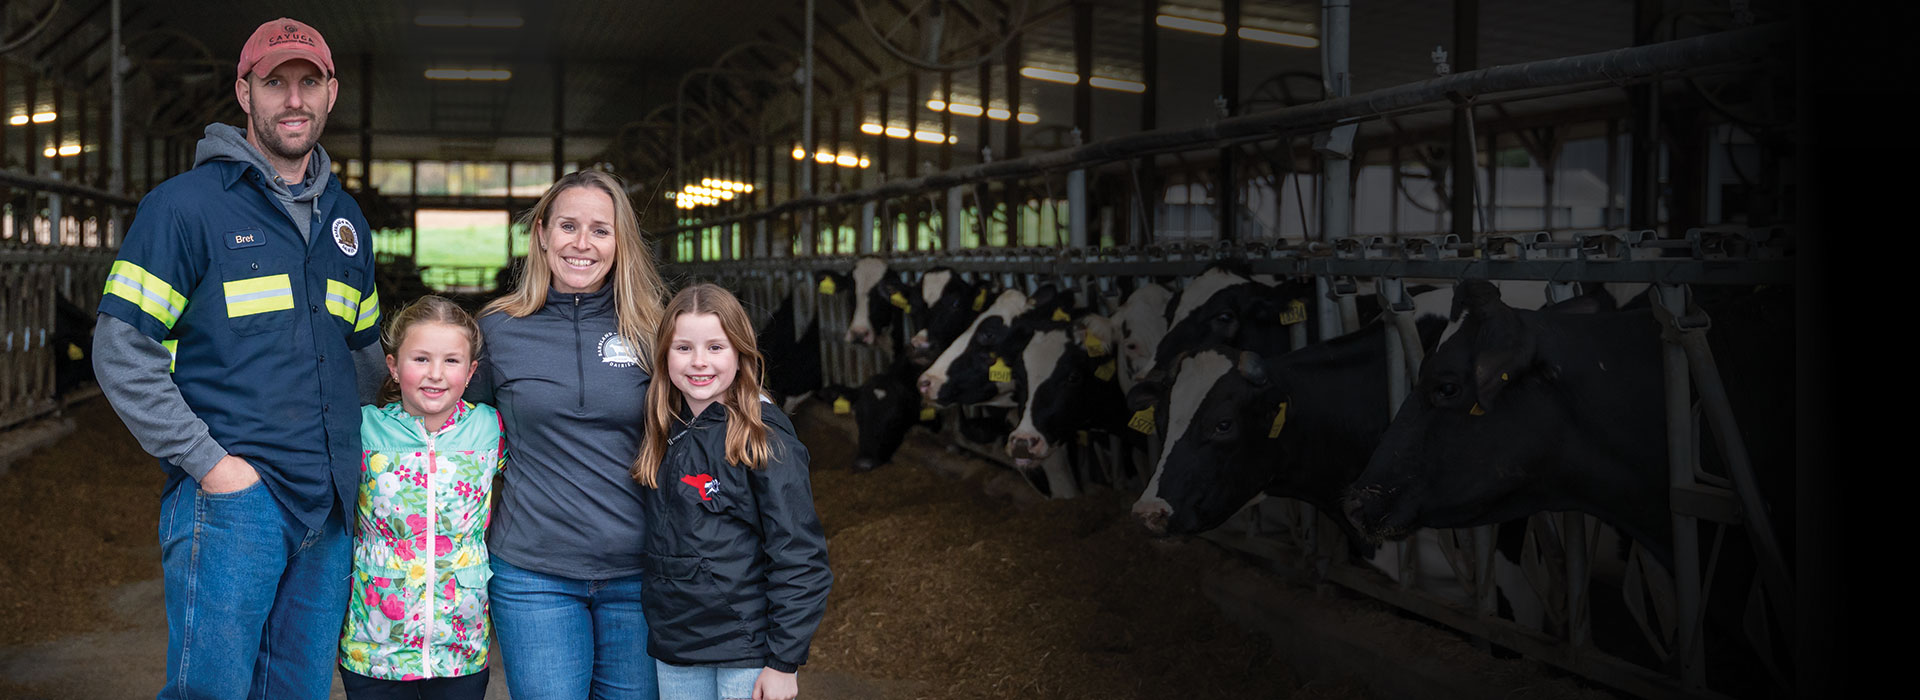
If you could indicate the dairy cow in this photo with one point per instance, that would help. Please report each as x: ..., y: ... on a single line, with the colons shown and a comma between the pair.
x: 1524, y: 411
x: 1140, y: 323
x: 792, y: 355
x: 984, y: 372
x: 1062, y: 390
x: 933, y: 381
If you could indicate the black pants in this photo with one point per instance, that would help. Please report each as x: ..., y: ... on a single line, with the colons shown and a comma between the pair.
x: 472, y: 686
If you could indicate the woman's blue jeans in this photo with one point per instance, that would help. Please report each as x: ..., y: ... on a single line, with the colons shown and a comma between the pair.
x: 568, y: 638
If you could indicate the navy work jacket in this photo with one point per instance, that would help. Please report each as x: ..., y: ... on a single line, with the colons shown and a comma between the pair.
x: 261, y: 324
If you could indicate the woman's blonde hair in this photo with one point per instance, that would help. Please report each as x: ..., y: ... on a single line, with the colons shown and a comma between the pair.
x: 746, y: 433
x: 431, y: 308
x: 637, y: 289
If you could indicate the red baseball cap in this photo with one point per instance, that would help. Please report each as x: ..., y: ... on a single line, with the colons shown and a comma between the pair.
x: 281, y: 40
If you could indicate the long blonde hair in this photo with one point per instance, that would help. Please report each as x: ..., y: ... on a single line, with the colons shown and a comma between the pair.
x: 431, y: 308
x: 746, y: 432
x: 637, y: 289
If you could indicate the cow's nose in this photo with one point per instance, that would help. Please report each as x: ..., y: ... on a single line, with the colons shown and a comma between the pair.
x: 1354, y: 506
x: 865, y: 464
x: 929, y: 387
x: 1153, y: 516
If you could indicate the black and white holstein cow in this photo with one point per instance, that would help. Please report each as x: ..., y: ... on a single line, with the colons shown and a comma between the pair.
x: 1064, y: 387
x: 887, y: 405
x: 933, y: 382
x: 1525, y: 411
x: 984, y: 372
x: 792, y: 355
x: 1139, y: 324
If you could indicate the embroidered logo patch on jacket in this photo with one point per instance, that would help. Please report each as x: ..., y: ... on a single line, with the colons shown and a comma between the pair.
x: 704, y: 483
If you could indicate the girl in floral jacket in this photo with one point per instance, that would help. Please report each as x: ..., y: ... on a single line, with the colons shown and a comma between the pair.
x: 417, y: 624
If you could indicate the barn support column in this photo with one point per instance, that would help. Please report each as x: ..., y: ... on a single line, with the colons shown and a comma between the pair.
x: 117, y: 165
x: 1465, y: 57
x: 1336, y: 153
x: 806, y: 136
x: 955, y: 200
x: 868, y: 210
x: 559, y: 120
x: 1077, y: 208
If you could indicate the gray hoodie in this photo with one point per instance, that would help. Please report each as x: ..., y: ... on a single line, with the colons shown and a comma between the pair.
x: 132, y: 368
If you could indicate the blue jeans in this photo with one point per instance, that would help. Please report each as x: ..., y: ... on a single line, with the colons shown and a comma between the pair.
x: 254, y: 598
x: 705, y: 682
x: 567, y: 638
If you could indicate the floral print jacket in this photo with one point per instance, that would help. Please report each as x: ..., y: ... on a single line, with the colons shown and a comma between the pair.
x: 420, y: 570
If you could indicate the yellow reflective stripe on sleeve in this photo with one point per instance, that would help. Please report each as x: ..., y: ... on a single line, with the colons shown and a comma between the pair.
x: 369, y: 311
x: 145, y: 290
x: 173, y: 353
x: 343, y: 301
x: 258, y: 295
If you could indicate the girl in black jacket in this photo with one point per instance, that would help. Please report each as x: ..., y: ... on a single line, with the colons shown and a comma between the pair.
x: 736, y: 562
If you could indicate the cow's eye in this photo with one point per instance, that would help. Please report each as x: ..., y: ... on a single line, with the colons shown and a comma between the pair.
x: 1223, y: 427
x: 1446, y: 391
x: 1223, y: 317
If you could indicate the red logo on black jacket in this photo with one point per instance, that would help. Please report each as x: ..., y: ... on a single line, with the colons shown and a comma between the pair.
x: 704, y: 483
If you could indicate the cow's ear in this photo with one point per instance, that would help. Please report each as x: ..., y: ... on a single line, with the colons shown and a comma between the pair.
x: 1043, y: 296
x: 1147, y: 391
x: 1503, y: 345
x: 833, y: 392
x: 1252, y: 368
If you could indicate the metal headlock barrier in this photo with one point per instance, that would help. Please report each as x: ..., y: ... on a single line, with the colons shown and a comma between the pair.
x: 1560, y: 564
x: 1288, y: 535
x: 59, y: 243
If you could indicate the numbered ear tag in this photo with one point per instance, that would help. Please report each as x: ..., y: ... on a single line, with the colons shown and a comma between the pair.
x: 1295, y: 313
x: 1142, y: 421
x: 826, y: 285
x: 999, y: 372
x: 928, y: 413
x: 842, y: 406
x: 900, y: 300
x: 1061, y: 315
x: 75, y: 353
x: 980, y: 300
x: 1095, y: 346
x: 1279, y: 421
x: 1104, y: 372
x: 1476, y: 410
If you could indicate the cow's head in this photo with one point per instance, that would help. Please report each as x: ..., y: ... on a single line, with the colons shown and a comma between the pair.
x: 878, y: 301
x: 1062, y: 391
x: 996, y: 319
x: 990, y: 367
x: 1218, y: 428
x: 884, y: 409
x: 949, y: 306
x: 1480, y: 423
x: 1222, y: 308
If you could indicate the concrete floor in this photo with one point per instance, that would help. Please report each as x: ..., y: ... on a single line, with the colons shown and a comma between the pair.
x: 128, y: 660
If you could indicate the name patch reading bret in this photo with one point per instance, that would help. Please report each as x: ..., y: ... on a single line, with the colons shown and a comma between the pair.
x: 245, y: 238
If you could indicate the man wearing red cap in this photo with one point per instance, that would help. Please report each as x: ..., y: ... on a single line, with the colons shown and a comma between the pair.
x: 241, y: 311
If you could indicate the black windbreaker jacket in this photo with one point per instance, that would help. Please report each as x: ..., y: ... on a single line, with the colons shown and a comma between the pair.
x: 736, y: 562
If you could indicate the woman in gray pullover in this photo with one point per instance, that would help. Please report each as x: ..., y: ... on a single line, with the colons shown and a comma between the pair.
x: 564, y: 368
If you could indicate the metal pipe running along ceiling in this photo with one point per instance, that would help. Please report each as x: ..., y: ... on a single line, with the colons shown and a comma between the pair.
x: 1751, y: 44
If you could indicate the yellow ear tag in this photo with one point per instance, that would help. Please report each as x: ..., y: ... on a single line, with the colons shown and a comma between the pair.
x: 1279, y: 420
x: 928, y: 413
x: 1095, y: 346
x: 900, y: 300
x: 75, y: 353
x: 1061, y: 315
x: 980, y: 300
x: 842, y: 406
x: 1475, y: 411
x: 1503, y: 376
x: 826, y: 285
x: 1295, y: 313
x: 1104, y: 372
x: 999, y: 372
x: 1081, y: 437
x: 1142, y: 421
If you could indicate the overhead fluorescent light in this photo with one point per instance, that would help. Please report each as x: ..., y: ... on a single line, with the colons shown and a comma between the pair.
x: 966, y: 110
x: 1282, y: 38
x: 19, y: 119
x: 69, y: 150
x: 1051, y: 76
x: 1029, y: 118
x: 1211, y: 28
x: 937, y: 105
x: 1190, y: 24
x: 44, y: 117
x: 898, y: 132
x: 874, y: 129
x: 1117, y: 84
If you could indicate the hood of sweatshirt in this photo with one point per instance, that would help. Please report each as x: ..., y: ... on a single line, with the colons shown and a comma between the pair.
x: 228, y: 142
